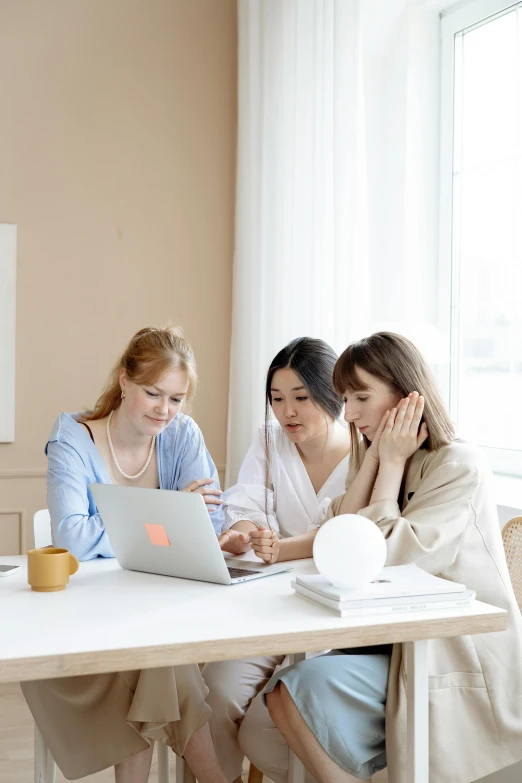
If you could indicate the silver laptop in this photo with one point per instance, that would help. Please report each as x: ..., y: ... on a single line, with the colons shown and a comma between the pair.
x: 166, y: 532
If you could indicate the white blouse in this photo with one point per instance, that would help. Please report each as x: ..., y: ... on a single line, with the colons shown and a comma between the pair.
x: 286, y: 494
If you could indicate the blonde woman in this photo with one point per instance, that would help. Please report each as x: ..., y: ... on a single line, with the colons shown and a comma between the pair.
x: 136, y: 435
x: 431, y: 495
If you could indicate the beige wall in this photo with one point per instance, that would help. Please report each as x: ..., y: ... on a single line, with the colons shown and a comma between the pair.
x: 117, y: 162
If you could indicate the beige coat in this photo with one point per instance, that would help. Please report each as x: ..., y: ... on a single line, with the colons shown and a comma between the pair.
x: 449, y: 527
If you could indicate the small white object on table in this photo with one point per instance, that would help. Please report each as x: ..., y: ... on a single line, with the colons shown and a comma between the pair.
x: 349, y: 551
x: 108, y: 619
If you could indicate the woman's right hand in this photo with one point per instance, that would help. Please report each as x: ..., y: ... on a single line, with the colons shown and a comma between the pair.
x: 211, y: 495
x: 234, y: 541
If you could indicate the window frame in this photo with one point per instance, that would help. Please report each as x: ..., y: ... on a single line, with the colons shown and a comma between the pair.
x: 455, y: 20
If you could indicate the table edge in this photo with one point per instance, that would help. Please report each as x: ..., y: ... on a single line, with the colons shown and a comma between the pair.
x: 150, y: 657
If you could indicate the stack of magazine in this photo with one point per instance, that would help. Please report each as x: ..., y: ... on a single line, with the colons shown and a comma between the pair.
x: 396, y: 589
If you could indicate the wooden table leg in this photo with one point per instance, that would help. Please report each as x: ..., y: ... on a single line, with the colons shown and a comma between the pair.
x: 418, y: 712
x: 255, y: 775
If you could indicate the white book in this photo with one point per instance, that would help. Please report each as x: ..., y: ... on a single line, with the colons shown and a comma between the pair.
x: 392, y: 582
x: 380, y: 602
x: 393, y: 606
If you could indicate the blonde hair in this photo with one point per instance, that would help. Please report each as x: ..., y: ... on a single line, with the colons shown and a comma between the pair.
x: 395, y: 360
x: 149, y: 354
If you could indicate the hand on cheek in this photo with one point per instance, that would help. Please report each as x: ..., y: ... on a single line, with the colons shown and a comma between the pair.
x: 403, y: 432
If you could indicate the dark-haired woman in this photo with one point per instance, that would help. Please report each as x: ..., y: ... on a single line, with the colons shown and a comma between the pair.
x: 297, y: 463
x: 431, y: 495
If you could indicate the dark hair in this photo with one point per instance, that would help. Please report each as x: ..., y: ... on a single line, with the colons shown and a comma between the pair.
x: 395, y: 360
x: 313, y: 362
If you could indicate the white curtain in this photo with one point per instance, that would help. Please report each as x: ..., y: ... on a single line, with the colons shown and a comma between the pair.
x: 336, y: 182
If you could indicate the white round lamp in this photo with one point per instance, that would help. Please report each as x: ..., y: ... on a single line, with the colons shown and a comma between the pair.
x: 349, y: 551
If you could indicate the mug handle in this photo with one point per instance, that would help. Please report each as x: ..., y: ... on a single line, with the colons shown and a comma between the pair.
x: 73, y: 564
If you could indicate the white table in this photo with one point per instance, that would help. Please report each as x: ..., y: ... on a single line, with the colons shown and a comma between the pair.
x: 109, y: 619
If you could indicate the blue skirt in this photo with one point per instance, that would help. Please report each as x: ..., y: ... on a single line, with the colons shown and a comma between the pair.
x: 342, y: 698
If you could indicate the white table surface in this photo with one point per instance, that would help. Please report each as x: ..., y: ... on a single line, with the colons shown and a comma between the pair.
x: 109, y: 619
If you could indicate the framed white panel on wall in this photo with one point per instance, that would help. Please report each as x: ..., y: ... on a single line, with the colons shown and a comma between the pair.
x: 7, y: 331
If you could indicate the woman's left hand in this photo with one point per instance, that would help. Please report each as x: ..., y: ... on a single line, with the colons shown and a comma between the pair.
x: 403, y: 433
x: 266, y: 544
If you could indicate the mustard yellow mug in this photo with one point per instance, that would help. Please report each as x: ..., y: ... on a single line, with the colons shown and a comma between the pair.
x: 48, y: 569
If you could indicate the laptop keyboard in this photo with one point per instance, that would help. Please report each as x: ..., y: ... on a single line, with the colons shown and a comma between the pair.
x: 235, y: 572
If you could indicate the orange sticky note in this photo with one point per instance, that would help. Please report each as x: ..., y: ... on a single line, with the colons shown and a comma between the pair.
x: 157, y: 534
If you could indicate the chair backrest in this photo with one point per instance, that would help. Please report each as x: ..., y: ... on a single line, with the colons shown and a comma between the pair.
x: 512, y: 538
x: 42, y: 529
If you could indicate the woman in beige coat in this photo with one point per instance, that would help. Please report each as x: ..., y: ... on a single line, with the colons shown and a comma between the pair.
x: 431, y: 496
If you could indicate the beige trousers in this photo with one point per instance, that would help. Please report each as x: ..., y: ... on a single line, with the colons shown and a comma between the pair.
x: 240, y: 722
x: 95, y: 721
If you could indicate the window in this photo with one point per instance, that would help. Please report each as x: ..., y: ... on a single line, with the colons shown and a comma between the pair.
x: 481, y: 224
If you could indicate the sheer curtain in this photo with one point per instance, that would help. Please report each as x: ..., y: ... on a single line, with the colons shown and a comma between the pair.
x: 333, y: 168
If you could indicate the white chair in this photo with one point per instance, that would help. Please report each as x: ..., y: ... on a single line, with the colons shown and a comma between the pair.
x: 42, y: 529
x: 44, y: 764
x: 512, y: 538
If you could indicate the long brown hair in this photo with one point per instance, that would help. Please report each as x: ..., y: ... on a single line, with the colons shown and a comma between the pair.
x: 149, y: 354
x: 395, y: 360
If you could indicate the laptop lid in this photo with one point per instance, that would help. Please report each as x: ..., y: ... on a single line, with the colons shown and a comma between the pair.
x: 161, y: 532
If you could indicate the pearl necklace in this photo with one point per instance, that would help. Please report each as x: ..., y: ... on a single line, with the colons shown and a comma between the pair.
x: 111, y: 447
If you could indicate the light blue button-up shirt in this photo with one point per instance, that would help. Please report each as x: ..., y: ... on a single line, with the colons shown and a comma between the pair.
x: 74, y: 462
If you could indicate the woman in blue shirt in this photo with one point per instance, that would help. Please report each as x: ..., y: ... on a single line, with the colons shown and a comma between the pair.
x: 154, y: 444
x: 135, y: 435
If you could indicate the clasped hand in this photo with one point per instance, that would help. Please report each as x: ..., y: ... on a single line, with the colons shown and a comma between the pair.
x: 265, y: 543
